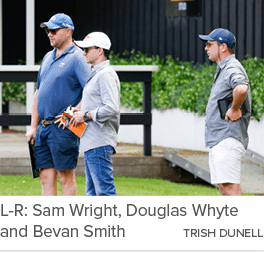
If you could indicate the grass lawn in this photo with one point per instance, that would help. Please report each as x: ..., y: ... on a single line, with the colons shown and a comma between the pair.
x: 125, y: 186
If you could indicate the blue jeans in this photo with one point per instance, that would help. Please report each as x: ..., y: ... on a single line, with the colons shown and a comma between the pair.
x: 99, y: 172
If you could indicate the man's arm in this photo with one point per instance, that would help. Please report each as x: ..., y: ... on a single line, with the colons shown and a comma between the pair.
x: 239, y: 96
x: 31, y: 134
x: 110, y: 96
x: 110, y: 93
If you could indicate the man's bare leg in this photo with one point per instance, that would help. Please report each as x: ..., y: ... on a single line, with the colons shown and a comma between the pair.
x: 68, y: 183
x: 228, y: 189
x: 48, y: 179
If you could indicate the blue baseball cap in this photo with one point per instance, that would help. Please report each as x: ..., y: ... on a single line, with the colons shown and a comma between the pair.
x: 57, y: 21
x: 221, y: 35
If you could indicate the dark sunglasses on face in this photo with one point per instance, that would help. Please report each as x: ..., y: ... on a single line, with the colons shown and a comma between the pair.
x: 86, y: 49
x: 52, y: 31
x: 208, y: 44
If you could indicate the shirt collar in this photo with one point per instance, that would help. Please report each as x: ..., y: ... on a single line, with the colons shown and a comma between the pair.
x: 101, y: 65
x: 222, y: 64
x: 69, y: 49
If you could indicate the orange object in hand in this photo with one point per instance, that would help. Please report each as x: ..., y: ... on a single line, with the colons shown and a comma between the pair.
x: 76, y: 130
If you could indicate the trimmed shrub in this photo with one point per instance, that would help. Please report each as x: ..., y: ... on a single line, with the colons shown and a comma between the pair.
x: 176, y: 84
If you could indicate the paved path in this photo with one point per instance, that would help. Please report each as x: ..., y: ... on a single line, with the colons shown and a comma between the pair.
x: 15, y: 145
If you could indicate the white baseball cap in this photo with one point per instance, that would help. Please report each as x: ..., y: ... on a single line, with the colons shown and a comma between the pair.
x: 98, y: 39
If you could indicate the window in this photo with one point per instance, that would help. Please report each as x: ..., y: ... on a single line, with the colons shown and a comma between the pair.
x: 183, y: 8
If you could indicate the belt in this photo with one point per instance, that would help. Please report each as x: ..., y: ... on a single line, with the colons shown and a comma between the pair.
x: 46, y: 122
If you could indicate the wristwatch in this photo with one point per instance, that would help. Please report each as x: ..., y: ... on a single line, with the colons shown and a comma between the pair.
x: 86, y: 117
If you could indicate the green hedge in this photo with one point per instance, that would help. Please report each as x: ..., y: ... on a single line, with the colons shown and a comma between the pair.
x: 15, y: 91
x: 176, y: 84
x: 185, y: 85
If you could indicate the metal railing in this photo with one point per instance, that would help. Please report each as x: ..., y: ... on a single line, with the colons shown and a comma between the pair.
x: 126, y: 73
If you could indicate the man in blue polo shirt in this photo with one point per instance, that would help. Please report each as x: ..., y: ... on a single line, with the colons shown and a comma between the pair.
x: 62, y: 76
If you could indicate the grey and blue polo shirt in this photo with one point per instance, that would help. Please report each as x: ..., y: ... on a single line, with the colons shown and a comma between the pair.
x: 230, y: 73
x: 61, y: 81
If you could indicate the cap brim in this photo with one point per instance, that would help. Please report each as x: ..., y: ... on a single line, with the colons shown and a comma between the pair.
x: 83, y: 44
x: 205, y: 37
x: 49, y: 25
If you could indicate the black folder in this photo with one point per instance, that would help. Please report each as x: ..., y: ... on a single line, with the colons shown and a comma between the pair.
x: 35, y: 172
x: 225, y: 104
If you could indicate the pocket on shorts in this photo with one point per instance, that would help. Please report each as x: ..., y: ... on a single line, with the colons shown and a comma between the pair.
x: 59, y: 132
x: 234, y: 144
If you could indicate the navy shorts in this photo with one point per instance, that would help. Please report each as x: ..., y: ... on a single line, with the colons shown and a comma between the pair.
x: 55, y: 147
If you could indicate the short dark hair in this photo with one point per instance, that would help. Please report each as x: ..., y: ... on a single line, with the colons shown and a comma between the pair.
x: 106, y: 52
x: 230, y: 50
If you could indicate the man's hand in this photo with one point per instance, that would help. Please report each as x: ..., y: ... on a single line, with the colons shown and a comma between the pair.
x: 31, y: 135
x: 233, y: 115
x: 77, y: 118
x: 59, y: 117
x: 58, y: 120
x: 239, y: 96
x: 75, y: 109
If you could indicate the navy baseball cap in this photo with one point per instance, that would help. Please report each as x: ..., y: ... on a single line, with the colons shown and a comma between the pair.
x: 57, y: 21
x: 221, y: 35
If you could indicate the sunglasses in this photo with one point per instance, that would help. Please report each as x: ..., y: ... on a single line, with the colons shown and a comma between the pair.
x: 208, y: 44
x: 86, y: 49
x: 52, y: 31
